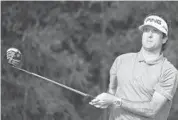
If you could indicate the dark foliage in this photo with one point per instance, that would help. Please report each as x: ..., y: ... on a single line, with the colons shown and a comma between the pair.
x: 73, y: 43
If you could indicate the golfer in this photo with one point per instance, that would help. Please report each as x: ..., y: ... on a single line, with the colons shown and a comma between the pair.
x: 142, y: 85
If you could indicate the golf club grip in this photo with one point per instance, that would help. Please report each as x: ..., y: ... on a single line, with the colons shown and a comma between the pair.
x: 90, y: 96
x: 64, y: 86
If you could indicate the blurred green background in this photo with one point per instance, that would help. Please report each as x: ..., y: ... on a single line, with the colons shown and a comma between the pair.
x: 74, y: 43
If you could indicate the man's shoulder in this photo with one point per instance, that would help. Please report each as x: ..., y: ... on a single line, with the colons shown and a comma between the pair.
x: 168, y: 66
x: 127, y: 56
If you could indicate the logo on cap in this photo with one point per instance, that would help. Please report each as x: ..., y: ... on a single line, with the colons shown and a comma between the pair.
x: 154, y: 20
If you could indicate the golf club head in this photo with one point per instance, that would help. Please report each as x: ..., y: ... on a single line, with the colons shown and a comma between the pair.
x: 14, y: 57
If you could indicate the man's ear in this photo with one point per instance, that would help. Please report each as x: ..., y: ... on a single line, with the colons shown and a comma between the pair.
x: 165, y: 40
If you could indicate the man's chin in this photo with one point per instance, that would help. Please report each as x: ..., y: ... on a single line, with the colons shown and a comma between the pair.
x: 149, y: 49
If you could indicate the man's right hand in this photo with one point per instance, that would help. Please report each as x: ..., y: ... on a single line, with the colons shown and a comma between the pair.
x: 103, y: 100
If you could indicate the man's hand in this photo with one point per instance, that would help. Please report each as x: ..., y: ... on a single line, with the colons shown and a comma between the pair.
x: 103, y: 100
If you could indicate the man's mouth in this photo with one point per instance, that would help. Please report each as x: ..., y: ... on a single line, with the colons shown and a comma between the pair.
x: 149, y: 41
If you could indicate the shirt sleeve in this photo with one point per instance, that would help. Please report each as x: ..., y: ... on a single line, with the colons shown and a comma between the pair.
x: 114, y: 67
x: 113, y: 73
x: 167, y: 84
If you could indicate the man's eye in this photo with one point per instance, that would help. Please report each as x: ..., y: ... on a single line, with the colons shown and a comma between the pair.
x: 155, y: 30
x: 146, y: 30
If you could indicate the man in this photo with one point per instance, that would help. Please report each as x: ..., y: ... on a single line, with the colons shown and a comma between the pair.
x: 142, y: 85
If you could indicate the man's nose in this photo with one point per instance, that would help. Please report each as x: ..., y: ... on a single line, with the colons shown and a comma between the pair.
x: 150, y: 34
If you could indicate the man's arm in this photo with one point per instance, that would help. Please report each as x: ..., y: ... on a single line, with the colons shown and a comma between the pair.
x: 164, y: 92
x: 113, y: 76
x: 112, y: 85
x: 145, y: 109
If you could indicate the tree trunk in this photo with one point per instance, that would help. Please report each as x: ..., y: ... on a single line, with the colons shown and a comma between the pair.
x: 103, y: 71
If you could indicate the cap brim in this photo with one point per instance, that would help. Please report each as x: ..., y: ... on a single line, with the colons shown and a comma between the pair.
x: 142, y: 26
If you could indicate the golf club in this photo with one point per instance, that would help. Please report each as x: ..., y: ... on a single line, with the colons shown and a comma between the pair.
x: 14, y: 57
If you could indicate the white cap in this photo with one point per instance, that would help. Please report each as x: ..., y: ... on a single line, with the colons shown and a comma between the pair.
x: 157, y: 22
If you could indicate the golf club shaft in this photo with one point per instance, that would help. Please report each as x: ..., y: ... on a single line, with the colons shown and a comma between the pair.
x: 49, y: 80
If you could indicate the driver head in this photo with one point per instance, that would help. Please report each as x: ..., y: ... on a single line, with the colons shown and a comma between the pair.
x: 14, y: 56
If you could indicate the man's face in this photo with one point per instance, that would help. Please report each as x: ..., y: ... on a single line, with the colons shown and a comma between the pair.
x: 152, y: 39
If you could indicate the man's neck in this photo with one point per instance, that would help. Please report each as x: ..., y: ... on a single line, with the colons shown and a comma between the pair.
x: 150, y: 56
